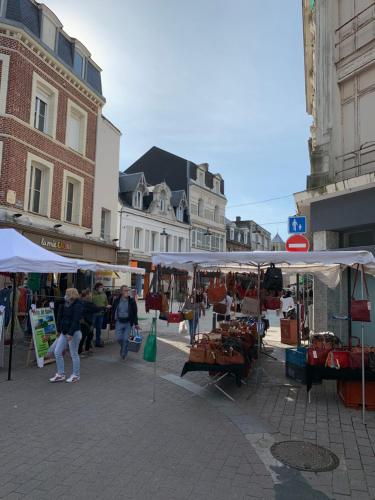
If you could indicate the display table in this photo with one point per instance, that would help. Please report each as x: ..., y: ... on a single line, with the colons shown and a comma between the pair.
x: 289, y: 332
x: 324, y: 373
x: 239, y: 371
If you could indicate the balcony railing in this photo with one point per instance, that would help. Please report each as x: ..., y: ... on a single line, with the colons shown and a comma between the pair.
x: 355, y: 33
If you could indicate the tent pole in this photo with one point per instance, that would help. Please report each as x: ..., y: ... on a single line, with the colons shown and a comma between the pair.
x: 349, y: 277
x: 363, y: 352
x: 14, y: 276
x: 298, y: 314
x: 259, y: 316
x: 156, y: 336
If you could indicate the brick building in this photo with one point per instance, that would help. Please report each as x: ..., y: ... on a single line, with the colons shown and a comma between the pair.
x: 50, y: 106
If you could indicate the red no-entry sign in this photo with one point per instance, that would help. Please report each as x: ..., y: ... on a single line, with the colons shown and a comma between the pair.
x: 297, y: 243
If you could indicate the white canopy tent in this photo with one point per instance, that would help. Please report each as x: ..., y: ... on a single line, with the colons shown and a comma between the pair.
x: 20, y: 255
x: 325, y: 264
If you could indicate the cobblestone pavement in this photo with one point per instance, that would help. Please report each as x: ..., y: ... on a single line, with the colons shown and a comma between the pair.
x: 104, y: 438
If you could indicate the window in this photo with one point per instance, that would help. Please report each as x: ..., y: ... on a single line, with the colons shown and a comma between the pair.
x: 167, y: 243
x: 137, y: 238
x: 105, y: 224
x: 200, y: 208
x: 201, y: 177
x: 193, y: 238
x: 138, y: 200
x: 163, y: 201
x: 76, y: 128
x: 79, y: 64
x: 232, y: 234
x: 153, y: 241
x: 38, y: 189
x: 72, y: 196
x: 40, y: 115
x: 180, y: 244
x: 35, y: 189
x: 43, y: 113
x: 180, y: 213
x: 69, y: 201
x: 216, y: 214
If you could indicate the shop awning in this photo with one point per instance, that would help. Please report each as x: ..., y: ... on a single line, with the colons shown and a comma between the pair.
x: 20, y: 255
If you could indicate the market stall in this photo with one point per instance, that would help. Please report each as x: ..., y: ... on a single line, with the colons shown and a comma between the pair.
x: 326, y: 265
x: 20, y: 255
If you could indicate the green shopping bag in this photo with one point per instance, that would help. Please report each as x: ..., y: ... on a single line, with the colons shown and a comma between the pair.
x: 149, y: 353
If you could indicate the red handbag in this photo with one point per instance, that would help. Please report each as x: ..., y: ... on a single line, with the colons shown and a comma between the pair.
x: 175, y: 317
x: 153, y: 302
x: 360, y: 310
x: 317, y: 356
x: 338, y: 359
x: 272, y: 303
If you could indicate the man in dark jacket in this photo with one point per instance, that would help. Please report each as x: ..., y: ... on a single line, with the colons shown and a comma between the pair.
x: 125, y: 313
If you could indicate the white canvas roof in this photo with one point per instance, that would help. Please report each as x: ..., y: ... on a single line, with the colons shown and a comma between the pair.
x: 20, y: 255
x: 325, y: 265
x: 86, y: 265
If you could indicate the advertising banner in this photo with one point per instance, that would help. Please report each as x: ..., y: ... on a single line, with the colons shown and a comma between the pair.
x: 44, y: 332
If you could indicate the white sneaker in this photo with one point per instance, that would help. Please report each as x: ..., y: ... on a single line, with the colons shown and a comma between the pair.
x: 57, y: 378
x: 72, y: 379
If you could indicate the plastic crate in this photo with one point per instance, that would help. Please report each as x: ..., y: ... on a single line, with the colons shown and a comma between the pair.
x: 296, y: 356
x: 298, y: 373
x: 350, y: 393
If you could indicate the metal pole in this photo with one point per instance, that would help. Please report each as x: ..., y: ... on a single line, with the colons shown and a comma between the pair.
x: 156, y: 337
x: 12, y: 326
x: 349, y: 271
x: 363, y: 353
x: 259, y: 315
x: 298, y: 314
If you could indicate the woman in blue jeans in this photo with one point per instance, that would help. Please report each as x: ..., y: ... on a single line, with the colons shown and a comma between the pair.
x: 70, y: 335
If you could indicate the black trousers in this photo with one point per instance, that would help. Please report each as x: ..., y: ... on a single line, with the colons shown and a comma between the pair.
x: 87, y: 336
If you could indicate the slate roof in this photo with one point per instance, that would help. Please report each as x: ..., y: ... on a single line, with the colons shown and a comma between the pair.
x: 277, y: 239
x: 129, y: 182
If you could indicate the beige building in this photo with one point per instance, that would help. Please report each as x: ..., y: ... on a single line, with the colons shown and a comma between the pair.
x: 339, y: 44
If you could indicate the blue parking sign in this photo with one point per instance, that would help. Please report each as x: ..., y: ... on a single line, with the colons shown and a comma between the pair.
x: 297, y: 225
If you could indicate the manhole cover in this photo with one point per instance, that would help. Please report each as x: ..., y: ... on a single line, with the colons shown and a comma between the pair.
x: 306, y: 456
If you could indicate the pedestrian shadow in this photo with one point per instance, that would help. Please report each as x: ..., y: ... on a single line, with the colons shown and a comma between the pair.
x: 293, y: 486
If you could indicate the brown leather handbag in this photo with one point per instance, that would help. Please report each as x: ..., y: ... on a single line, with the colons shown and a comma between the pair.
x: 216, y: 292
x: 220, y: 309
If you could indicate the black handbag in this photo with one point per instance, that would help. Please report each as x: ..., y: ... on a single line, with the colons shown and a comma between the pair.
x: 273, y: 279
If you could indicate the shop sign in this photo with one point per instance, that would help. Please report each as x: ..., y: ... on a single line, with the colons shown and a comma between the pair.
x: 44, y: 332
x: 56, y: 244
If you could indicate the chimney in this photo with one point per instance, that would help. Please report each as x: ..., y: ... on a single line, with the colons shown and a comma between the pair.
x: 238, y: 219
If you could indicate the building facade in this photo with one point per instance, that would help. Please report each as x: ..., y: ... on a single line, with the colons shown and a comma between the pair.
x: 339, y: 41
x: 152, y: 219
x: 246, y: 235
x: 277, y: 243
x: 204, y: 191
x: 50, y: 105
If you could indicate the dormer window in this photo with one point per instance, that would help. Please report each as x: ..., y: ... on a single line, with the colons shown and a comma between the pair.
x: 201, y: 177
x: 217, y: 185
x: 79, y: 64
x: 163, y: 201
x: 138, y: 200
x: 180, y: 213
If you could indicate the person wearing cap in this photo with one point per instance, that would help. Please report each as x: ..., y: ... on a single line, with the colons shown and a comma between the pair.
x: 125, y: 313
x: 100, y: 299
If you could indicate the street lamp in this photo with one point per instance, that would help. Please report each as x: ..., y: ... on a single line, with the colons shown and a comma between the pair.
x: 164, y: 233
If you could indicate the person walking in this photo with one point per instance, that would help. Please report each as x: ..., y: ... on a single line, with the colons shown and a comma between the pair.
x: 195, y: 305
x: 89, y: 309
x: 100, y: 299
x: 69, y: 326
x: 125, y: 313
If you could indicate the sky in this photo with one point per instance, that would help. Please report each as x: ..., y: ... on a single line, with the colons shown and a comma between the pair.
x: 214, y: 81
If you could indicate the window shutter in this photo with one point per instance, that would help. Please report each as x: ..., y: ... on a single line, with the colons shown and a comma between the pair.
x: 74, y: 132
